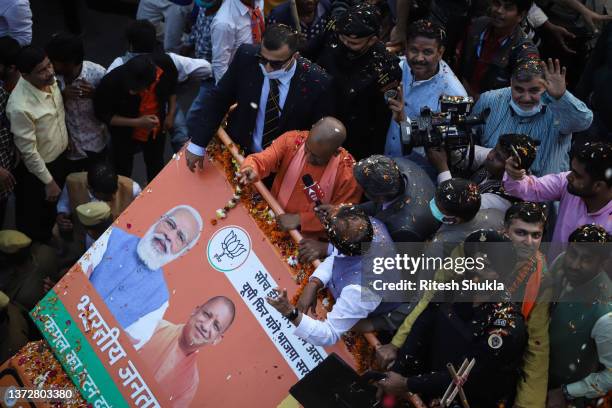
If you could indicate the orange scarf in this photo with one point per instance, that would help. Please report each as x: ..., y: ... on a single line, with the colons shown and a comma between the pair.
x: 294, y: 171
x: 149, y: 105
x: 533, y: 283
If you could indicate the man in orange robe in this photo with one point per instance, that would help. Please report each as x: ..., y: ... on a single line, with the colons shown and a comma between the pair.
x: 172, y: 352
x: 317, y: 152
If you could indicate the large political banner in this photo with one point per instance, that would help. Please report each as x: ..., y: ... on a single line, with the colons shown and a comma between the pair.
x: 168, y: 309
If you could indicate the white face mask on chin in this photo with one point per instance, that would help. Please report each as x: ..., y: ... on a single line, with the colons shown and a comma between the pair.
x: 525, y: 113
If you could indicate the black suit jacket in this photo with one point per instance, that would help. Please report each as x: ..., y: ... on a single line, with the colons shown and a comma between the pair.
x: 309, y: 99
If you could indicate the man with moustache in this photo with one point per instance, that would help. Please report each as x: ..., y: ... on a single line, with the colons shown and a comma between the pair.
x: 172, y: 353
x: 538, y: 104
x: 425, y: 78
x: 127, y: 270
x: 36, y: 112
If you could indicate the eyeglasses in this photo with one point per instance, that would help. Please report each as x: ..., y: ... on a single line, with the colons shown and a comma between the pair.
x: 274, y: 64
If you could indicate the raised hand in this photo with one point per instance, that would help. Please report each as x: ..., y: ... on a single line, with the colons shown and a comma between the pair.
x: 554, y: 78
x: 513, y: 169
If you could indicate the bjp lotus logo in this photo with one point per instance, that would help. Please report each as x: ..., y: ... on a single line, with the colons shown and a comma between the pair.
x: 232, y: 247
x: 228, y: 248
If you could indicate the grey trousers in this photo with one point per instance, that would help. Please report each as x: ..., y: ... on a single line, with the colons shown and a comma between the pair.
x: 168, y: 18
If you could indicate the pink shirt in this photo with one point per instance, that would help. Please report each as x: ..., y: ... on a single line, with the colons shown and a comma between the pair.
x: 572, y: 210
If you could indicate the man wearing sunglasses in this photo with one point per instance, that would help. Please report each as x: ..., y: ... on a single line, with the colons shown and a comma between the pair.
x: 275, y: 89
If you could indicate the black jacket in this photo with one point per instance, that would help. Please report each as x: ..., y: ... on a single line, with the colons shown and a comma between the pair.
x: 309, y: 99
x: 113, y: 98
x: 359, y: 86
x: 492, y: 333
x: 408, y: 218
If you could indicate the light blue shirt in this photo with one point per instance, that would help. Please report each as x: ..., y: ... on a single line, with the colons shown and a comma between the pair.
x: 16, y: 20
x: 553, y: 126
x: 284, y: 81
x: 418, y: 94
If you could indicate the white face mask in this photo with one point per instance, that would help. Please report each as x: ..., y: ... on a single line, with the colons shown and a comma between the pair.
x: 278, y: 74
x: 525, y: 113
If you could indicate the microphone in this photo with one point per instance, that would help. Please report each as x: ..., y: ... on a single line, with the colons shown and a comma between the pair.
x: 312, y: 189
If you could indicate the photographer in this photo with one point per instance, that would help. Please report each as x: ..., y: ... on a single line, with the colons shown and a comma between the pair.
x: 398, y: 193
x: 457, y: 205
x: 488, y: 167
x: 536, y: 104
x: 425, y: 77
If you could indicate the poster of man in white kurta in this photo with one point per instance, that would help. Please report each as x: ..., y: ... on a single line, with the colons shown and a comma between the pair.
x: 127, y: 270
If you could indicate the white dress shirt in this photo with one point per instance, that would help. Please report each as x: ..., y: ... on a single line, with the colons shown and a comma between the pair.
x: 230, y: 28
x: 142, y: 329
x: 194, y: 68
x: 350, y: 308
x: 284, y: 83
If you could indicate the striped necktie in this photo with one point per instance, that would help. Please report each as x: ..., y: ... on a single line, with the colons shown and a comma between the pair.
x: 272, y: 116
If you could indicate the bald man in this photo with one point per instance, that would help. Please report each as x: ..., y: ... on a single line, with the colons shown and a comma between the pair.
x: 172, y: 352
x: 317, y: 152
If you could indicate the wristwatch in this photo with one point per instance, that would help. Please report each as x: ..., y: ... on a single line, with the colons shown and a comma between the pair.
x: 566, y: 394
x: 293, y: 315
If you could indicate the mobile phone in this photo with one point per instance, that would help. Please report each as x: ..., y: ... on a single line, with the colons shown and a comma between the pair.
x: 372, y: 376
x: 516, y: 156
x: 390, y: 94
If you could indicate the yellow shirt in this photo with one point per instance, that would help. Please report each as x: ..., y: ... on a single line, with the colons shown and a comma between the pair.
x: 38, y: 126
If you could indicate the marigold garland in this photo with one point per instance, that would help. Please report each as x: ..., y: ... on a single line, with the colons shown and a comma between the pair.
x: 288, y: 249
x: 37, y: 362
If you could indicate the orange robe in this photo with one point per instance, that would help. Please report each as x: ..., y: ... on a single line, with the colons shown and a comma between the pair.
x: 276, y: 159
x: 175, y: 372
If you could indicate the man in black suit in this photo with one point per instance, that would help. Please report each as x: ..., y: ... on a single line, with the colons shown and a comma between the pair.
x: 276, y: 90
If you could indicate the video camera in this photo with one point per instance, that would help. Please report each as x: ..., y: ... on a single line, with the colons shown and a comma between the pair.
x: 453, y: 127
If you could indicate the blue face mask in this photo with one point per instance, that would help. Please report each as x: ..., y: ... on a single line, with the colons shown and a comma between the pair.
x: 206, y: 4
x: 525, y: 113
x: 438, y: 215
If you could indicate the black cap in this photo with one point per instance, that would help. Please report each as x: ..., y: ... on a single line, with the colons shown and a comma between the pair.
x: 361, y: 20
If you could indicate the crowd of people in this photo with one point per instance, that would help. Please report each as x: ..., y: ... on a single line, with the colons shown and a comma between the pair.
x: 451, y: 122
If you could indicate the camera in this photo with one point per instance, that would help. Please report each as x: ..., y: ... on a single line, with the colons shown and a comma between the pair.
x: 452, y: 128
